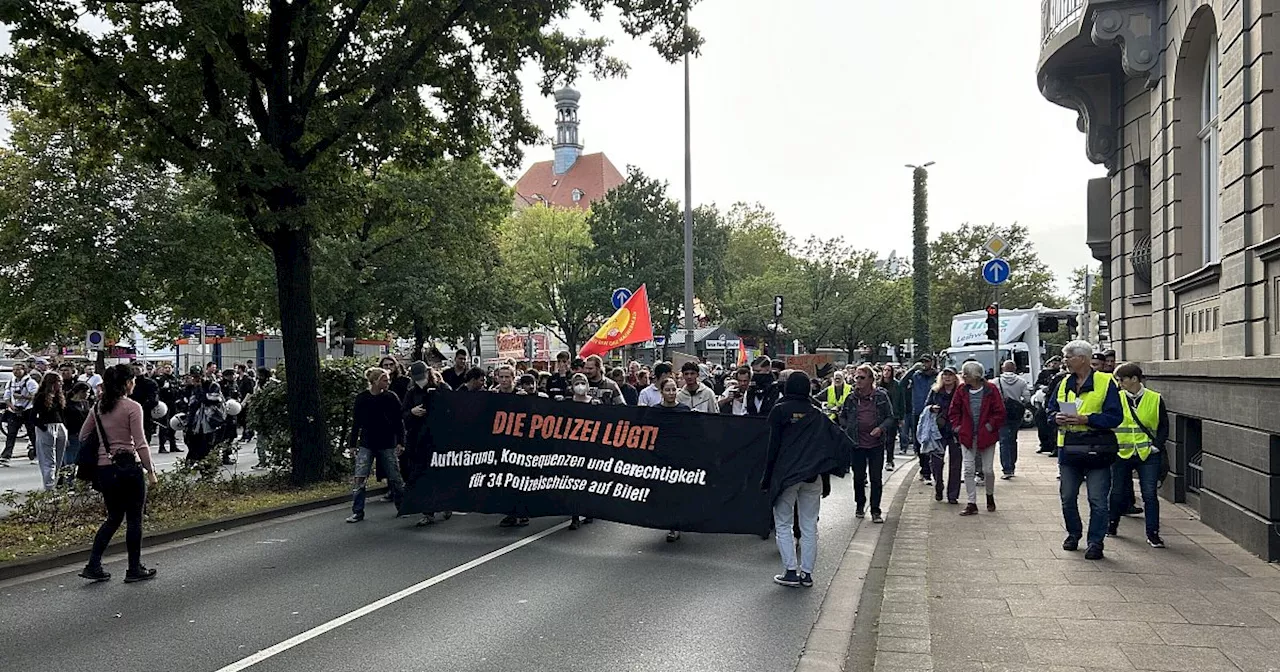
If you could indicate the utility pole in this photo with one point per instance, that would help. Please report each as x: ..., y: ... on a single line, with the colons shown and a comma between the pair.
x: 689, y: 320
x: 920, y: 256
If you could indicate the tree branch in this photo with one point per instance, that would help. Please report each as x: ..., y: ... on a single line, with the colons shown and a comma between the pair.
x: 340, y: 42
x: 76, y: 42
x: 386, y: 86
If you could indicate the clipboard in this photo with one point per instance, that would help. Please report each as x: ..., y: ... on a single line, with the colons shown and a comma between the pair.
x: 1068, y: 408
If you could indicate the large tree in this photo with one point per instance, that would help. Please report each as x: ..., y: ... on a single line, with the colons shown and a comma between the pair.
x: 758, y: 266
x: 274, y: 97
x: 549, y: 257
x: 957, y: 287
x: 638, y: 236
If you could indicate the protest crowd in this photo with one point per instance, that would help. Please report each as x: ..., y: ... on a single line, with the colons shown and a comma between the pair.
x: 1096, y: 418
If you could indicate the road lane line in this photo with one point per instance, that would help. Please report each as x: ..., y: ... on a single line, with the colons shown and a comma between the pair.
x: 340, y: 621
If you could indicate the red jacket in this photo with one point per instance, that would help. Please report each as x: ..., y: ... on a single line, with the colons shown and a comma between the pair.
x: 990, y: 420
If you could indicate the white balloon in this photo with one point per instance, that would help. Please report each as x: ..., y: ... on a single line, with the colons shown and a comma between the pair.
x: 159, y: 411
x: 177, y: 422
x: 233, y: 407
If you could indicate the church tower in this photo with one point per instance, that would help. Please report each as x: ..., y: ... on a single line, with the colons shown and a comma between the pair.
x: 567, y: 146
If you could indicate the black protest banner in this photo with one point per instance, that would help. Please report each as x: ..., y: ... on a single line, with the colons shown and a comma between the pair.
x: 530, y: 456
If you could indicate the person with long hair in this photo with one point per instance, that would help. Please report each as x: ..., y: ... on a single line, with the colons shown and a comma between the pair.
x: 124, y: 472
x: 51, y: 432
x: 939, y: 403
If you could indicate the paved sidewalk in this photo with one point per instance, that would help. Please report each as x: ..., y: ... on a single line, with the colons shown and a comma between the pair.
x: 997, y: 592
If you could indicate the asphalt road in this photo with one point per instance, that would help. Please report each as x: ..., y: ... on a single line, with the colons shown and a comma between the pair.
x: 605, y: 597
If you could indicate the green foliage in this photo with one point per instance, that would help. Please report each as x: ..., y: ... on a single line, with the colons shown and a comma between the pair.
x: 958, y: 287
x: 758, y: 266
x: 1078, y: 284
x: 340, y: 381
x: 638, y: 238
x: 549, y: 255
x: 920, y: 263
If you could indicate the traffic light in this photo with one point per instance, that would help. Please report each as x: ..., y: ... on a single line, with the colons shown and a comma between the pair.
x: 993, y: 322
x: 777, y: 307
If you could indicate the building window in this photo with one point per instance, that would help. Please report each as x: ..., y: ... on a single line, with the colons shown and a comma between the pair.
x: 1210, y: 184
x: 577, y: 195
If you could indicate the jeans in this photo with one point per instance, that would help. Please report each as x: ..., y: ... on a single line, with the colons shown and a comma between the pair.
x: 1122, y: 487
x: 906, y: 435
x: 73, y: 449
x: 386, y: 459
x: 804, y: 500
x: 890, y: 439
x: 1008, y: 448
x: 972, y: 457
x: 1098, y: 482
x: 124, y: 490
x: 51, y: 447
x: 953, y: 457
x: 868, y: 462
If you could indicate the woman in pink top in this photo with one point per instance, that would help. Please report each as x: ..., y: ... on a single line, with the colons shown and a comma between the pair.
x: 124, y: 469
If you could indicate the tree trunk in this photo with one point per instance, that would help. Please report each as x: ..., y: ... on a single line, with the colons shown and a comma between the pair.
x: 419, y: 337
x: 291, y: 251
x: 349, y: 334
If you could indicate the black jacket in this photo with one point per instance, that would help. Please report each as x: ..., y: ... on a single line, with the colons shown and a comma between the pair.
x: 848, y: 416
x: 766, y: 396
x: 803, y: 444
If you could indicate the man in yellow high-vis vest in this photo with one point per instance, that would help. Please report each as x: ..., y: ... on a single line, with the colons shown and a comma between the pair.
x: 1142, y: 438
x: 1085, y: 402
x: 834, y: 394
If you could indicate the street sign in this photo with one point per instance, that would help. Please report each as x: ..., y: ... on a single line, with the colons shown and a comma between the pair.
x: 997, y: 246
x: 620, y: 296
x: 659, y: 340
x: 215, y: 330
x: 95, y: 340
x: 777, y: 307
x: 190, y: 329
x: 995, y: 272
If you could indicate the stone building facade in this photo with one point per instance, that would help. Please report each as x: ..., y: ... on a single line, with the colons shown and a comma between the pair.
x: 1180, y: 100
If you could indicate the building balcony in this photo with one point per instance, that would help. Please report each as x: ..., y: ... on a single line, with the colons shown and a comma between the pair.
x: 1086, y: 47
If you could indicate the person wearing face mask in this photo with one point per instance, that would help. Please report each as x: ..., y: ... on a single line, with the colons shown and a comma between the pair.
x: 763, y: 391
x: 418, y: 442
x: 580, y: 389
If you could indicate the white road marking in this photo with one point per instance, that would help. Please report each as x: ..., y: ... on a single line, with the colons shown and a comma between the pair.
x: 340, y: 621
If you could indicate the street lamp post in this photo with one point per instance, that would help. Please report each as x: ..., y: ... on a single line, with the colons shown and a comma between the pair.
x: 689, y: 321
x: 920, y: 256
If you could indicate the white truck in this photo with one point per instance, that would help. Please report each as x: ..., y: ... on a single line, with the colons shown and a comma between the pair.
x: 1022, y: 339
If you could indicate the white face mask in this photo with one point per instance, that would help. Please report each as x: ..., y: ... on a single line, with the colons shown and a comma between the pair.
x: 579, y: 389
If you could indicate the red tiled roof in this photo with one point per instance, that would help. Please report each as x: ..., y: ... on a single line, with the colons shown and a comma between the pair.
x: 594, y: 174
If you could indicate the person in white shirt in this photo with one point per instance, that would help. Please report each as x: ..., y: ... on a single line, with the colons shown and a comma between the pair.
x: 652, y: 396
x: 695, y: 394
x: 18, y: 398
x: 734, y: 399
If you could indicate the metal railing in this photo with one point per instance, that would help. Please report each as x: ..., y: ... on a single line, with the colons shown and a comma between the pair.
x: 1057, y: 15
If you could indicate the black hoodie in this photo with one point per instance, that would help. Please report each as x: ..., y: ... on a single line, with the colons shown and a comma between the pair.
x: 803, y: 443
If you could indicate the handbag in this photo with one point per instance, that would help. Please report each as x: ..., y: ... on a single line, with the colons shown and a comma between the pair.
x: 87, y: 458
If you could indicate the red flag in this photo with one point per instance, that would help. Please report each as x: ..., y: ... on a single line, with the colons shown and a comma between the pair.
x: 631, y: 324
x: 742, y: 352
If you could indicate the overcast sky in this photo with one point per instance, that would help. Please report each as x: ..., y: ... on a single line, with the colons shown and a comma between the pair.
x: 814, y: 110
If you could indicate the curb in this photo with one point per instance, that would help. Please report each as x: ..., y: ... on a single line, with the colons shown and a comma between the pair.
x: 40, y: 563
x: 827, y: 647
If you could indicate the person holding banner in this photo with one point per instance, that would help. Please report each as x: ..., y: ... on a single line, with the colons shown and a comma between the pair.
x: 670, y: 404
x: 793, y: 467
x: 580, y: 389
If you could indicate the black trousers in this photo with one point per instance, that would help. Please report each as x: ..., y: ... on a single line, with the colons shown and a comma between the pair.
x: 868, y: 462
x: 17, y: 421
x: 124, y: 490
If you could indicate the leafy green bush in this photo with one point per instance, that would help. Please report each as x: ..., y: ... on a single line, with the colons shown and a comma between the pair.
x: 340, y: 381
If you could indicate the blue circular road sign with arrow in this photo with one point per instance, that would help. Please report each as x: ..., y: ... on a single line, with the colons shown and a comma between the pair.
x: 620, y: 296
x: 995, y: 272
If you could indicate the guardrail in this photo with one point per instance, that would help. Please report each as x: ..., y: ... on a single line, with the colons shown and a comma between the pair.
x: 1056, y: 15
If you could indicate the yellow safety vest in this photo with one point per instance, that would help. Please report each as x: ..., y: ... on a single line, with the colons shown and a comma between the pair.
x: 1129, y: 435
x: 1089, y: 402
x: 832, y: 401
